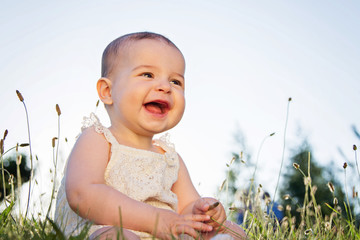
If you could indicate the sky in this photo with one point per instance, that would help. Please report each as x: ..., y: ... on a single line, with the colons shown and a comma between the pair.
x: 244, y: 59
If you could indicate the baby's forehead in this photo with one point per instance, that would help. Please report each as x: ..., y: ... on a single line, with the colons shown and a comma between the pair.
x: 142, y: 49
x: 131, y: 45
x: 120, y: 47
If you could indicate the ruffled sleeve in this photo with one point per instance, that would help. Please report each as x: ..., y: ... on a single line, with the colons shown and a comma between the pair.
x: 93, y: 121
x: 171, y: 156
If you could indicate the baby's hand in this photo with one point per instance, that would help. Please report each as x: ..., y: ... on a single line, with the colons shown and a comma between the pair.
x: 172, y: 225
x: 211, y: 207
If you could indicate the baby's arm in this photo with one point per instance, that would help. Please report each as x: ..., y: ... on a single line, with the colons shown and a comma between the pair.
x: 91, y: 198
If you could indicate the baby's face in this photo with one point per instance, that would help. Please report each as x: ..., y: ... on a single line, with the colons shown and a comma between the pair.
x: 148, y: 87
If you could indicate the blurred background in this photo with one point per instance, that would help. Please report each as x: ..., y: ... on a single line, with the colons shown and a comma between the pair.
x: 244, y: 60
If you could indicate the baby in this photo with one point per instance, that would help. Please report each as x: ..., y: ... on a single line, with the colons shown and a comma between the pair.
x: 127, y: 184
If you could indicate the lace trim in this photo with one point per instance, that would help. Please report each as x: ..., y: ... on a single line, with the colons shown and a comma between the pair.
x: 93, y: 120
x: 171, y: 156
x: 90, y: 121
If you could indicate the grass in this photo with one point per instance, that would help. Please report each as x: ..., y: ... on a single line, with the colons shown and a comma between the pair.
x: 313, y: 225
x: 258, y: 224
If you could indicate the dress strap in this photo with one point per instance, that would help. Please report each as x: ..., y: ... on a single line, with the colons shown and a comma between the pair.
x: 165, y: 143
x: 94, y: 121
x: 171, y: 155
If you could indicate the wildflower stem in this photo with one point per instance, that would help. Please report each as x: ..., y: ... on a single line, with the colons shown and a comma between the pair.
x: 346, y: 195
x: 3, y: 176
x: 357, y: 166
x: 283, y: 153
x: 312, y: 193
x: 31, y: 160
x: 18, y: 177
x: 55, y: 162
x: 258, y: 154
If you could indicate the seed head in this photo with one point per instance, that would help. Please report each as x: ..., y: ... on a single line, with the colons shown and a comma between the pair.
x: 290, y: 99
x: 354, y: 147
x: 232, y: 160
x: 345, y: 165
x: 18, y: 160
x: 331, y: 187
x: 314, y: 189
x: 328, y: 225
x: 53, y: 141
x: 286, y: 197
x: 335, y: 201
x: 1, y: 146
x: 58, y: 109
x: 5, y: 134
x: 214, y: 205
x: 296, y: 166
x: 11, y: 179
x: 19, y: 96
x: 354, y: 193
x: 288, y: 208
x: 307, y: 181
x: 222, y: 185
x: 97, y: 103
x: 24, y: 145
x: 272, y: 134
x: 308, y: 231
x: 234, y: 209
x: 280, y: 208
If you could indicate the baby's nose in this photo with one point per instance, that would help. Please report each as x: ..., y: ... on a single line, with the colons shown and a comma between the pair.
x: 163, y: 85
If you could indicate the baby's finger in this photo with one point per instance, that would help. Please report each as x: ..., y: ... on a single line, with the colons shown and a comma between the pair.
x: 201, y: 205
x: 197, y: 217
x: 184, y: 229
x: 200, y: 226
x: 199, y: 222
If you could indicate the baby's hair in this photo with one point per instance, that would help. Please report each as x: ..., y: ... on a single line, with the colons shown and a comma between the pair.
x: 111, y: 51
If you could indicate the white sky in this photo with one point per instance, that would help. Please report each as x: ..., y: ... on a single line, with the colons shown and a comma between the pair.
x: 244, y: 59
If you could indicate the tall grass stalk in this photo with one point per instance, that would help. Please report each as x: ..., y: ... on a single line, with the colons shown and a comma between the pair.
x: 2, y: 167
x: 357, y: 166
x: 346, y: 193
x: 283, y: 152
x: 18, y: 176
x: 30, y: 149
x: 317, y: 209
x: 55, y: 160
x: 258, y: 153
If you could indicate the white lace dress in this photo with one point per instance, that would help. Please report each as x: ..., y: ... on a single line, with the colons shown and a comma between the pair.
x: 140, y: 174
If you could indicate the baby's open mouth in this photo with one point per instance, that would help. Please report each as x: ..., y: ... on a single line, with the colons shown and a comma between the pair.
x: 157, y: 107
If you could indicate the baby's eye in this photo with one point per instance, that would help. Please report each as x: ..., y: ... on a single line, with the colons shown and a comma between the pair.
x: 147, y: 75
x: 176, y: 82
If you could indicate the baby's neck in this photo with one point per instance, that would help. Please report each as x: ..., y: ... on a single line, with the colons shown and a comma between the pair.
x: 135, y: 140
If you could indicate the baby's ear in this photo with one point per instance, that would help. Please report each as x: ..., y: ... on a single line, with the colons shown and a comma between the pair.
x: 104, y: 90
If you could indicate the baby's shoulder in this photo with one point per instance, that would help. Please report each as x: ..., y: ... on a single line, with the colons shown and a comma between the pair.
x: 92, y: 137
